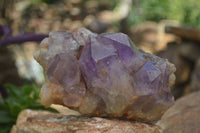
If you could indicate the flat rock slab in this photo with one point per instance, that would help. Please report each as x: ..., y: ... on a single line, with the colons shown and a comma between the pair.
x: 183, y: 116
x: 40, y: 122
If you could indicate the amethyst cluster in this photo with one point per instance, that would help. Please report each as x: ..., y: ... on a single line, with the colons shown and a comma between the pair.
x: 104, y: 75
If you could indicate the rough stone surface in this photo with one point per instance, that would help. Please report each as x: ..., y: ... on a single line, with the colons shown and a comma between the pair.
x: 195, y: 78
x: 183, y: 116
x: 45, y: 122
x: 104, y: 75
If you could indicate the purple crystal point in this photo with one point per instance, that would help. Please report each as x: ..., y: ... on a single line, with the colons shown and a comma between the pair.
x: 105, y: 75
x: 59, y: 67
x: 119, y: 37
x: 147, y: 74
x: 126, y: 50
x: 101, y: 49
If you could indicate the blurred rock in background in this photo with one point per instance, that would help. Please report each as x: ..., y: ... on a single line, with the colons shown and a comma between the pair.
x: 183, y: 116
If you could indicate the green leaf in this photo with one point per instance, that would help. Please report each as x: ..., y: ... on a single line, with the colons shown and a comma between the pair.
x: 36, y: 105
x: 18, y: 100
x: 16, y: 110
x: 3, y: 105
x: 13, y: 91
x: 27, y: 89
x: 28, y: 100
x: 5, y: 117
x: 5, y: 128
x: 14, y: 107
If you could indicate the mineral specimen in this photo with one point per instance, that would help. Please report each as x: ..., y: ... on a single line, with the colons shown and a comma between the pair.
x: 104, y: 75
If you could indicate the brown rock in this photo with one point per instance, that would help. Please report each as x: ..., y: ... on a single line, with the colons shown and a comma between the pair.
x: 184, y: 32
x: 183, y: 116
x: 195, y: 78
x: 40, y: 122
x: 150, y: 36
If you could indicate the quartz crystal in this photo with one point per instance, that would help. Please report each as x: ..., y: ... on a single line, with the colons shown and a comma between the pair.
x: 104, y: 75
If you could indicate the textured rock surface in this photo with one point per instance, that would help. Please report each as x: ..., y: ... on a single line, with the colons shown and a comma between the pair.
x: 183, y: 116
x: 104, y: 75
x: 195, y: 78
x: 45, y: 122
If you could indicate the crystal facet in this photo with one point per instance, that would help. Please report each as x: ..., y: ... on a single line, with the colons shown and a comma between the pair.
x: 104, y: 75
